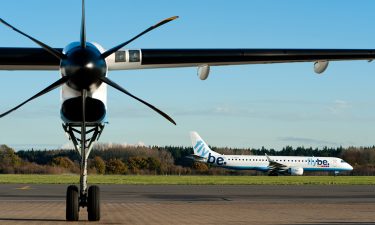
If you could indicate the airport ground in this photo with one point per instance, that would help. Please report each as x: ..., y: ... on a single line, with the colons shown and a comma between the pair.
x: 196, y: 204
x: 187, y: 180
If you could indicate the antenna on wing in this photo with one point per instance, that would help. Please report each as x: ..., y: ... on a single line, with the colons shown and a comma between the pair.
x: 83, y: 26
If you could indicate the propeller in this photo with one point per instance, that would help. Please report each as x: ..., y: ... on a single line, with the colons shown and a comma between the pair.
x: 83, y: 26
x: 90, y: 53
x: 57, y: 84
x: 49, y: 49
x: 118, y: 87
x: 118, y: 47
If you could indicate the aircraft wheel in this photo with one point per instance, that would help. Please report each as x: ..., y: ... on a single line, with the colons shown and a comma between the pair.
x: 93, y: 203
x: 72, y: 203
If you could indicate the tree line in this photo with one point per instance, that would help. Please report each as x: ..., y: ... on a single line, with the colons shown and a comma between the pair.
x: 168, y: 160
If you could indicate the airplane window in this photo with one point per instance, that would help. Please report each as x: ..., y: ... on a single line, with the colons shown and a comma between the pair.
x: 120, y: 56
x: 134, y: 56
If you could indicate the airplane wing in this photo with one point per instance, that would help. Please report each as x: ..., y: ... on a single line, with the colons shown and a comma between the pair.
x: 39, y: 59
x: 27, y: 59
x: 275, y: 167
x: 169, y: 58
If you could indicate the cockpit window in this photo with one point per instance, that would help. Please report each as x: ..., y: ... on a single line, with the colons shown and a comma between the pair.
x: 342, y: 161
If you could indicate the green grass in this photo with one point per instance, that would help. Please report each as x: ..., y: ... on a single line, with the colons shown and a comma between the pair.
x: 189, y: 180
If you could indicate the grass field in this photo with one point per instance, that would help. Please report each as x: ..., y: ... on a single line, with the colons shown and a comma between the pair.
x: 189, y: 180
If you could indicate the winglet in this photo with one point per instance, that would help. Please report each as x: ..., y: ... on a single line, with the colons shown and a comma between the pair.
x: 268, y: 158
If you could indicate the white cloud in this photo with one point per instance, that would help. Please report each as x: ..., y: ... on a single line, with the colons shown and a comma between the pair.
x: 339, y: 106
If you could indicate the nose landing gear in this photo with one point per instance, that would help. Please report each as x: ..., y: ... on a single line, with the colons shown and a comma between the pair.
x: 85, y: 197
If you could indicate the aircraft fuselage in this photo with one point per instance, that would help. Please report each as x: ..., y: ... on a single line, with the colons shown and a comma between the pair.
x: 84, y: 66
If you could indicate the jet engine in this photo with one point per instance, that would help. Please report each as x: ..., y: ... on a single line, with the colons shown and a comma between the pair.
x: 203, y: 72
x: 295, y: 171
x: 320, y: 66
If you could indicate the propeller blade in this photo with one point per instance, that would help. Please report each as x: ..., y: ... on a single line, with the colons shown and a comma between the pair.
x: 58, y: 83
x: 114, y: 49
x: 118, y: 87
x: 83, y: 26
x: 49, y: 49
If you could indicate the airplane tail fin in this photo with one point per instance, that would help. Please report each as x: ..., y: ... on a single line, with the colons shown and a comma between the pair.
x: 200, y: 147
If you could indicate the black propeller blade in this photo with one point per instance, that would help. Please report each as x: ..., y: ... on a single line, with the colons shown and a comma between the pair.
x: 49, y: 49
x: 116, y: 48
x: 83, y: 26
x: 118, y: 87
x: 57, y: 84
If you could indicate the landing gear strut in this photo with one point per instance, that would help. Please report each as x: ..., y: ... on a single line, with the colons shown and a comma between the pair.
x: 83, y: 135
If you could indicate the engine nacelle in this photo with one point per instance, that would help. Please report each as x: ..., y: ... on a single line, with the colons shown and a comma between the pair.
x: 203, y: 72
x: 320, y: 66
x: 295, y: 171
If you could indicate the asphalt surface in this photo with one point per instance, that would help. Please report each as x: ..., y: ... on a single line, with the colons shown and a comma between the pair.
x: 195, y: 204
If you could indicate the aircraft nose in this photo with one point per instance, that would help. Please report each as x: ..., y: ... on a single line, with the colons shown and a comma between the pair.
x: 350, y: 167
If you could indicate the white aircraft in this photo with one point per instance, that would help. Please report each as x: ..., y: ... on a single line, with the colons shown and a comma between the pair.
x: 83, y: 69
x: 273, y: 165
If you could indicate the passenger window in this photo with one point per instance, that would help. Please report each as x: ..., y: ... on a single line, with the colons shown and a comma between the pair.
x: 120, y: 56
x: 134, y: 56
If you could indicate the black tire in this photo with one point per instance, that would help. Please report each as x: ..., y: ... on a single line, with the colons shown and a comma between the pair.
x: 93, y: 203
x: 72, y: 206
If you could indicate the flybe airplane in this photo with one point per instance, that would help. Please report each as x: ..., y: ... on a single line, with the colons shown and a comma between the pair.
x: 273, y: 165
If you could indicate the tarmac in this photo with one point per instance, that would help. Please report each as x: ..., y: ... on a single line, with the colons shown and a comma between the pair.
x: 196, y: 204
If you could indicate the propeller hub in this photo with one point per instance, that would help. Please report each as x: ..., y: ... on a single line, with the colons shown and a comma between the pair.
x: 84, y: 66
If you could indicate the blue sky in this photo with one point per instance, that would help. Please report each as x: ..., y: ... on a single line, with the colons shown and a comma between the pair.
x: 238, y: 106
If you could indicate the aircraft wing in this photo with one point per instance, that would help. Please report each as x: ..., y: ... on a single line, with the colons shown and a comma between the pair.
x: 169, y: 58
x: 27, y: 59
x: 39, y: 59
x: 275, y: 167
